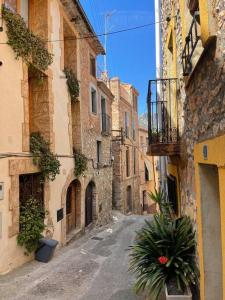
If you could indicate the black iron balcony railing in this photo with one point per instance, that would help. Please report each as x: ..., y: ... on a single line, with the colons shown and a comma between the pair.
x: 163, y: 111
x: 106, y: 124
x: 191, y: 42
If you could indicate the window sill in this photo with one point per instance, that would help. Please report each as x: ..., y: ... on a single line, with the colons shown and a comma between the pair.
x: 93, y: 114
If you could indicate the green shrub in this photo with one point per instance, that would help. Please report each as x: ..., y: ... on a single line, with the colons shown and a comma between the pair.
x: 24, y: 43
x: 80, y: 161
x: 164, y: 252
x: 42, y: 156
x: 31, y: 225
x: 73, y: 84
x: 165, y: 206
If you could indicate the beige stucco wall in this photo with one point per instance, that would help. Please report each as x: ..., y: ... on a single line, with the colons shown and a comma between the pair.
x: 14, y: 95
x: 11, y: 119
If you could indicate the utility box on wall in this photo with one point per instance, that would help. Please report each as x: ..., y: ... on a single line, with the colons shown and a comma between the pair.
x: 0, y: 225
x: 1, y: 190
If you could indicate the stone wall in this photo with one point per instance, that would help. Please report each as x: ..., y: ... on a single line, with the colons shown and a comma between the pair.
x: 121, y: 182
x: 91, y: 132
x: 201, y: 95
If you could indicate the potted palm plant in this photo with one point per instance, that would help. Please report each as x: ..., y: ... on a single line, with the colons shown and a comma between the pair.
x: 163, y: 258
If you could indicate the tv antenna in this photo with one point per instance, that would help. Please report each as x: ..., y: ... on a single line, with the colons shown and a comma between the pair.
x: 108, y: 16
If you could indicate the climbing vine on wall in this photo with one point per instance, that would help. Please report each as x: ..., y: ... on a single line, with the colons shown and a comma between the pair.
x: 73, y: 84
x: 80, y: 161
x: 31, y: 225
x: 42, y: 156
x: 24, y: 43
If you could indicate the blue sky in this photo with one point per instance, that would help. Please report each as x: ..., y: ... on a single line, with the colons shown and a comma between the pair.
x: 130, y: 55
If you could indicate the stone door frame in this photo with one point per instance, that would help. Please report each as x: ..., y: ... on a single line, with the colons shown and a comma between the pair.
x: 19, y: 167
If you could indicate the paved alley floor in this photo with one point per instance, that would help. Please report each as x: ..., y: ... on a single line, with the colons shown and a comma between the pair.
x: 95, y: 267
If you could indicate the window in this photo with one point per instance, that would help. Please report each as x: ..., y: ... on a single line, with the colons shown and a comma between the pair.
x: 133, y: 130
x: 99, y: 151
x: 126, y: 124
x: 146, y: 173
x: 128, y: 162
x: 92, y: 66
x: 135, y: 102
x: 30, y: 186
x: 11, y: 4
x: 134, y: 159
x: 103, y: 105
x: 94, y: 106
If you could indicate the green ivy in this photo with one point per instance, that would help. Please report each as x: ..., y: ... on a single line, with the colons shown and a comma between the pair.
x: 80, y: 164
x: 24, y: 43
x: 43, y: 157
x: 31, y: 225
x: 73, y: 84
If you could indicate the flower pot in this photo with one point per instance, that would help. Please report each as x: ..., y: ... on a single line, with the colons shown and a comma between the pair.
x: 186, y: 296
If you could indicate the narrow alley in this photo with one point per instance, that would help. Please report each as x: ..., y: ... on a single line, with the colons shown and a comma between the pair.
x: 93, y: 267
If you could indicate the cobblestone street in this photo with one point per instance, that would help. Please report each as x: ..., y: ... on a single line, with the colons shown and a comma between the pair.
x: 93, y: 267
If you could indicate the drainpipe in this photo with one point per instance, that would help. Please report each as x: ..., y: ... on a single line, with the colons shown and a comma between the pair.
x: 162, y: 159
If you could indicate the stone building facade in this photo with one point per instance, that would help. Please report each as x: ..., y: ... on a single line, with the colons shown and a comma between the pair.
x: 192, y: 45
x: 40, y: 101
x: 148, y: 170
x: 126, y: 177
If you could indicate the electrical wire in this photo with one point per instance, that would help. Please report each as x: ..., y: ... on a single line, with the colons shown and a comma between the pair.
x: 104, y: 34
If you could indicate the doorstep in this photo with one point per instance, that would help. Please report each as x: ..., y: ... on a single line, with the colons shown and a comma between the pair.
x: 74, y: 234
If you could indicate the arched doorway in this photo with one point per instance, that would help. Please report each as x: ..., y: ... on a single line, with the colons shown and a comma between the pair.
x: 73, y: 206
x: 129, y: 199
x: 90, y: 203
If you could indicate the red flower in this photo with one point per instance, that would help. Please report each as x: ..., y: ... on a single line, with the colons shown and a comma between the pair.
x: 163, y: 260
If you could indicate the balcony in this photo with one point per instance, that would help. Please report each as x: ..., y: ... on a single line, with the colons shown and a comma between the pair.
x: 163, y: 122
x: 191, y: 42
x: 106, y: 124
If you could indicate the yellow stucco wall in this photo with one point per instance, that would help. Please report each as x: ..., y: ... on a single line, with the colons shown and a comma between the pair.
x: 216, y: 157
x: 204, y: 18
x: 207, y: 26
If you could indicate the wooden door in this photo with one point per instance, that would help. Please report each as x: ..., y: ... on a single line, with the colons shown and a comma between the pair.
x: 70, y: 209
x: 89, y: 205
x: 172, y: 192
x: 129, y: 199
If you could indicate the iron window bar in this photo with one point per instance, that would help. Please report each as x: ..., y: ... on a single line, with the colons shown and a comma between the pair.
x: 191, y: 42
x: 163, y: 125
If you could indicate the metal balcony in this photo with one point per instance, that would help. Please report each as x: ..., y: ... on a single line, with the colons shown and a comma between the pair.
x: 163, y: 122
x: 191, y: 42
x: 106, y: 124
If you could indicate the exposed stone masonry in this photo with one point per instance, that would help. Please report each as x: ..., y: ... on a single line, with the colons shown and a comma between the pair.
x: 201, y: 97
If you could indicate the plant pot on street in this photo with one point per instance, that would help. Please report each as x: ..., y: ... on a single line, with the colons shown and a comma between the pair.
x: 186, y: 296
x: 46, y: 249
